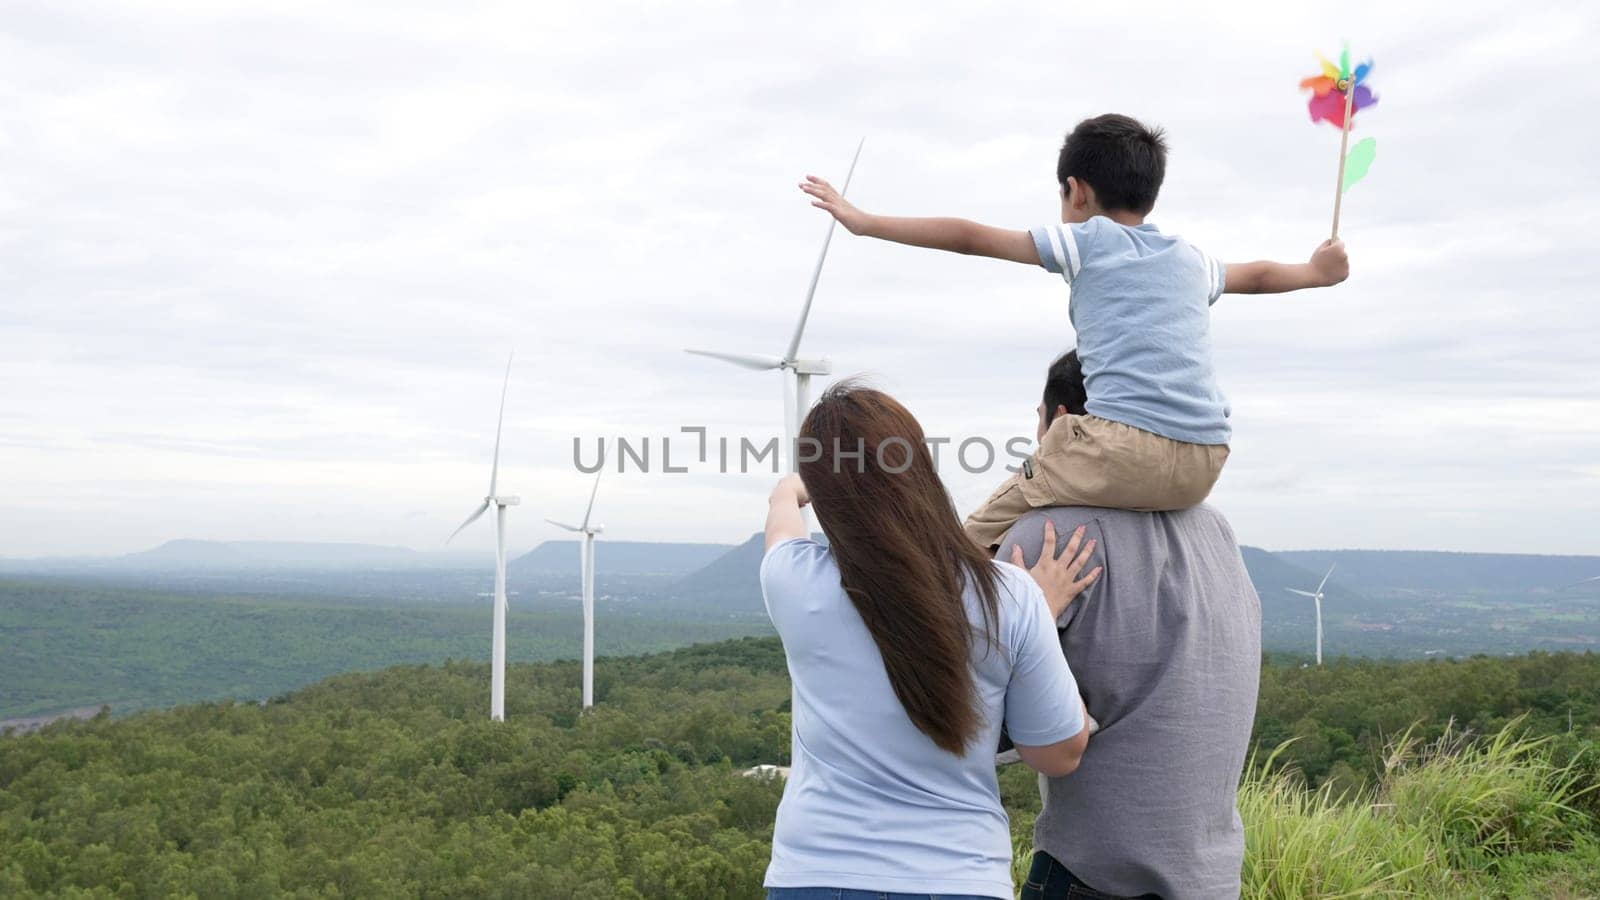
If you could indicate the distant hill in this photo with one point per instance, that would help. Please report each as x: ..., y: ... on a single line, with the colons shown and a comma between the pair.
x: 731, y: 582
x: 1441, y: 571
x: 286, y: 555
x: 619, y: 558
x: 1273, y: 576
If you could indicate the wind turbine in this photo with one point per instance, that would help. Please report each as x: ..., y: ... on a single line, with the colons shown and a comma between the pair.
x: 586, y: 565
x: 1318, y: 598
x: 497, y: 664
x: 797, y: 372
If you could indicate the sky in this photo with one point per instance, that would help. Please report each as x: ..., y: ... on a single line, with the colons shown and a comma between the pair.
x: 262, y: 265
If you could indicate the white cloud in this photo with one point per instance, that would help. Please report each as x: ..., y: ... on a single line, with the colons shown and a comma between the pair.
x: 260, y: 264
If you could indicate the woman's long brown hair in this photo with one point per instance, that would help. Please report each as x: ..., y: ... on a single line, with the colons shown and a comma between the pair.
x: 903, y: 558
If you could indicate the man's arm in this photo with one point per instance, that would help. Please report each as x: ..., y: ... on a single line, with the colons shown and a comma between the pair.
x: 1327, y: 267
x: 952, y: 235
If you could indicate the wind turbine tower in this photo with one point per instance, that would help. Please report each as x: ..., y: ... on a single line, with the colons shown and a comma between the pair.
x: 586, y: 568
x: 497, y: 663
x: 1317, y: 597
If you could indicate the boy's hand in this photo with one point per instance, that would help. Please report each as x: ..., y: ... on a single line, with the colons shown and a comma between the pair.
x: 824, y: 196
x: 953, y: 235
x: 1330, y: 263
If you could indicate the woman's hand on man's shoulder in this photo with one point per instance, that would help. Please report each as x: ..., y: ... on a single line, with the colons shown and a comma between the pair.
x: 1056, y: 575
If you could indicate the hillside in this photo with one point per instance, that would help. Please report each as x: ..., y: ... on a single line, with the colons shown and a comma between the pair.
x: 619, y: 558
x: 65, y: 645
x: 732, y: 581
x: 394, y: 784
x: 1438, y: 571
x: 197, y: 554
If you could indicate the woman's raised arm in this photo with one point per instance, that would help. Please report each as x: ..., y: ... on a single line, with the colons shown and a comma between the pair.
x: 784, y: 519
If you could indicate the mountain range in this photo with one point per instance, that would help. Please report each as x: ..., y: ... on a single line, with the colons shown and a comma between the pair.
x: 725, y: 577
x: 732, y: 582
x: 1432, y: 570
x: 619, y: 558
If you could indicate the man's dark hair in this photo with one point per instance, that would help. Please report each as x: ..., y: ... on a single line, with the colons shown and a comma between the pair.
x: 1063, y: 386
x: 1121, y: 159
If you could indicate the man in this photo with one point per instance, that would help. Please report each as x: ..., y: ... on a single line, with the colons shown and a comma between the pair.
x: 1167, y: 649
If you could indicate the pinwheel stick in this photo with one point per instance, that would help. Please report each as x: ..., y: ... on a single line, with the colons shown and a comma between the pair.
x: 1344, y: 146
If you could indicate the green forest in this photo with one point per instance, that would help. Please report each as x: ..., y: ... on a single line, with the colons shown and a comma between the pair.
x: 66, y: 644
x: 1453, y: 778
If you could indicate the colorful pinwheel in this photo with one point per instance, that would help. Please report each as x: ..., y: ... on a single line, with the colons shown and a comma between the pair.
x: 1332, y: 90
x: 1336, y: 96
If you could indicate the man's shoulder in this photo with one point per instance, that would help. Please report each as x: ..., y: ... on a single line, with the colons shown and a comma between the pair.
x: 1196, y: 516
x: 1199, y: 525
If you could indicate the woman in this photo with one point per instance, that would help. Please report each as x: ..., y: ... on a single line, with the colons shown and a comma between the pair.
x: 908, y: 649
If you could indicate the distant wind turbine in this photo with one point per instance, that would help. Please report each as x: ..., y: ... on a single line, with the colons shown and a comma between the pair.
x: 497, y: 664
x: 1318, y: 598
x: 797, y: 372
x: 586, y: 566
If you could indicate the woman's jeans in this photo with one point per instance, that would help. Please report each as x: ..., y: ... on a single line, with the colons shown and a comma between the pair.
x: 852, y: 894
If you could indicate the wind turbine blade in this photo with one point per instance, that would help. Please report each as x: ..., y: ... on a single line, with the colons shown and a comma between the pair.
x: 1325, y: 578
x: 494, y: 469
x: 1300, y: 592
x: 563, y: 525
x: 816, y: 274
x: 482, y: 508
x: 745, y: 360
x: 592, y: 492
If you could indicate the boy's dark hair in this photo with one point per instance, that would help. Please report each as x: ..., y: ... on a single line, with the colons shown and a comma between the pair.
x: 1121, y: 159
x: 1063, y: 386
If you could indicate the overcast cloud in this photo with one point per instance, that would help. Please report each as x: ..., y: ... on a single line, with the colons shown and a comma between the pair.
x: 261, y: 265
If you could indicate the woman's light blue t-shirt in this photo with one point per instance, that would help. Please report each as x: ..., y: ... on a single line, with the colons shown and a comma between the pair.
x: 872, y: 803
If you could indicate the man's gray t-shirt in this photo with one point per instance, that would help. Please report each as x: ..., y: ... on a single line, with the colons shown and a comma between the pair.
x: 1166, y: 647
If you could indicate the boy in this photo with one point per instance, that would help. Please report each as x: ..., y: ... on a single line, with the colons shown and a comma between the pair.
x: 1155, y: 434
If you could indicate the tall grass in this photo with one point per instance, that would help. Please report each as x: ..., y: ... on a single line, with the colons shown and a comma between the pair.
x: 1303, y: 843
x: 1437, y: 824
x: 1462, y: 816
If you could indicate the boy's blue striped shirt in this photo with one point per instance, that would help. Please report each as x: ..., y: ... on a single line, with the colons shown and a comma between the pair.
x: 1141, y: 306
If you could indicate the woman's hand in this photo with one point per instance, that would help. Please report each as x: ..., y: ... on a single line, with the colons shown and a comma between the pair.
x: 790, y: 485
x: 1057, y: 576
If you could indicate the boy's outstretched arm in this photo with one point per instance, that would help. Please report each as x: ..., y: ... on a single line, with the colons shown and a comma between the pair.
x: 953, y: 235
x: 1328, y: 266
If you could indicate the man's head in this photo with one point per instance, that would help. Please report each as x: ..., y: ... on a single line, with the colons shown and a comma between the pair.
x: 1063, y: 391
x: 1110, y: 164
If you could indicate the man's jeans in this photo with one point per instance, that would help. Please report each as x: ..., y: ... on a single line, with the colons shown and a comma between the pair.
x: 1050, y: 880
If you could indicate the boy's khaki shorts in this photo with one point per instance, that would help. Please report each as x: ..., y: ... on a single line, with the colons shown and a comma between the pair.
x: 1090, y: 461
